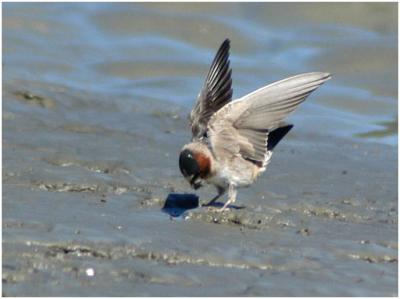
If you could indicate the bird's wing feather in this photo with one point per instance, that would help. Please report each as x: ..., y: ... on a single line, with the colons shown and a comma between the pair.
x: 215, y: 93
x: 269, y: 105
x: 243, y: 126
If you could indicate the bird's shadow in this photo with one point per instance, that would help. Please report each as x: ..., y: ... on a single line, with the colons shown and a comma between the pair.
x: 178, y: 203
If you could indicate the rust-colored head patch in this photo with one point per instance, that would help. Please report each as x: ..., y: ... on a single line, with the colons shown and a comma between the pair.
x: 204, y: 164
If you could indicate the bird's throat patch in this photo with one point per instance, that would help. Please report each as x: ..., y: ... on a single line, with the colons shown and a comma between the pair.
x: 204, y: 164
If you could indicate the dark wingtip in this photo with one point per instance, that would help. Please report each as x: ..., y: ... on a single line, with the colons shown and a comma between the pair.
x: 225, y: 46
x: 276, y: 135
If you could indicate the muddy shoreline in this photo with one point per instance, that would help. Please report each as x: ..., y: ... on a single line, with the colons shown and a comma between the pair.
x: 95, y: 104
x: 84, y: 208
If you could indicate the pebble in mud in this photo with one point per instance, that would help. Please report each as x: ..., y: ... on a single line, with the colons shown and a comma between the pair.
x: 90, y: 272
x: 304, y: 232
x: 151, y: 201
x: 35, y: 99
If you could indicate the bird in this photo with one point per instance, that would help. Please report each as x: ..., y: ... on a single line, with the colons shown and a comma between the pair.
x: 233, y: 140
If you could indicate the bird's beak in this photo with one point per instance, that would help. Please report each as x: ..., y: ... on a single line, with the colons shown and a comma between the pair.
x: 195, y: 183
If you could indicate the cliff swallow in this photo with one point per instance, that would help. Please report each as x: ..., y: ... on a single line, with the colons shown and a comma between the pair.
x: 232, y: 141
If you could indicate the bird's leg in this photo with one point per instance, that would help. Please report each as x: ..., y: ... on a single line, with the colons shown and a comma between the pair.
x: 221, y: 191
x: 232, y: 192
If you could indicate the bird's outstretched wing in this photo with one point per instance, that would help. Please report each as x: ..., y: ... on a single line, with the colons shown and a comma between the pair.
x: 215, y: 93
x: 252, y: 125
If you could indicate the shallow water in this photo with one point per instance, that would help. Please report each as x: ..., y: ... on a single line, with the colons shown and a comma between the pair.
x: 95, y: 100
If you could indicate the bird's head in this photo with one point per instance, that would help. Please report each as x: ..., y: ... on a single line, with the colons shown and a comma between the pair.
x: 194, y: 166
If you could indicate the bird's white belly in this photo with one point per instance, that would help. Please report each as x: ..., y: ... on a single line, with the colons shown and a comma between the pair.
x: 219, y: 180
x: 242, y: 177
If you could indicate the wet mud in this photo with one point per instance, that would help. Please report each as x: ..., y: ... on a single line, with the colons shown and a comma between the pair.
x: 107, y: 208
x: 95, y: 112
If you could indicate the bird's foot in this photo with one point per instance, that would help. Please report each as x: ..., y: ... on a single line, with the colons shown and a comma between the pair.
x: 226, y: 206
x: 215, y: 208
x: 211, y: 208
x: 231, y: 199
